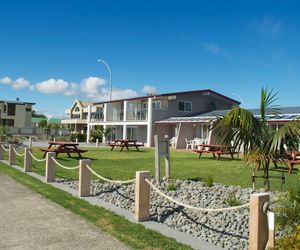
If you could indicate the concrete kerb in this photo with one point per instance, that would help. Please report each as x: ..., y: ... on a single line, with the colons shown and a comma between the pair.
x: 181, y: 237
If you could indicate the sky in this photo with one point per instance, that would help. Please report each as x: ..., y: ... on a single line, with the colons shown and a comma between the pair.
x: 49, y: 50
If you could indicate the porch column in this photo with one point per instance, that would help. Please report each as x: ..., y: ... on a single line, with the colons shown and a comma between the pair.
x: 125, y: 111
x: 149, y: 123
x: 104, y: 120
x: 124, y: 132
x: 210, y: 133
x: 88, y: 132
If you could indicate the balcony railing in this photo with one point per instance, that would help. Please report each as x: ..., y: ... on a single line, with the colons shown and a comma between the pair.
x: 98, y: 116
x: 137, y: 114
x: 115, y: 116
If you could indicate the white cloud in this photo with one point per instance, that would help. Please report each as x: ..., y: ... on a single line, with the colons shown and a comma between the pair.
x: 211, y: 47
x: 91, y: 87
x: 20, y: 83
x: 149, y: 89
x: 53, y: 86
x: 5, y: 80
x: 268, y: 26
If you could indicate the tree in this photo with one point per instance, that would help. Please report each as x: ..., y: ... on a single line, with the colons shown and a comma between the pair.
x: 260, y: 144
x: 35, y: 114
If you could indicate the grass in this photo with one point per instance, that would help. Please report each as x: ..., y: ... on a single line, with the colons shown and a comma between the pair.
x: 184, y: 165
x: 133, y: 235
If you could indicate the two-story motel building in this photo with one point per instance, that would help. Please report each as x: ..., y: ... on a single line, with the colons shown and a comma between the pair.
x: 135, y: 118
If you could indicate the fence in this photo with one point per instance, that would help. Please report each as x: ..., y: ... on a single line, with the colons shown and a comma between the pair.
x: 261, y: 220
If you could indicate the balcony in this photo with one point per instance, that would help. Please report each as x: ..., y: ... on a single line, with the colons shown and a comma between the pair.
x: 137, y: 114
x: 97, y: 116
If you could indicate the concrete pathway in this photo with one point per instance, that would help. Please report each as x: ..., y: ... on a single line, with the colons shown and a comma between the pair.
x: 28, y: 221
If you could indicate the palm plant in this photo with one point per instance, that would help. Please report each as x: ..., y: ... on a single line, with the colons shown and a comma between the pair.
x: 252, y: 135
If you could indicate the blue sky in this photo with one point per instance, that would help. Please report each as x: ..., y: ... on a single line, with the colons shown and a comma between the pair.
x: 49, y: 49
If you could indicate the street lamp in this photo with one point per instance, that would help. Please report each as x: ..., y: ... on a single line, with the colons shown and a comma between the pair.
x: 106, y: 64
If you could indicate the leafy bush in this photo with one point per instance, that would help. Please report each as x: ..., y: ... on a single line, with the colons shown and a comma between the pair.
x: 232, y: 200
x: 208, y: 180
x: 96, y: 134
x: 171, y: 186
x: 288, y: 210
x: 79, y: 136
x: 289, y: 242
x: 3, y: 133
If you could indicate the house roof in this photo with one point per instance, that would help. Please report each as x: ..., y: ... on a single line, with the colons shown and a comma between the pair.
x: 285, y: 114
x: 203, y: 91
x: 17, y: 102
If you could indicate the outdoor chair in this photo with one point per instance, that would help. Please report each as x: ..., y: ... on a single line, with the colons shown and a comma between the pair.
x: 189, y: 143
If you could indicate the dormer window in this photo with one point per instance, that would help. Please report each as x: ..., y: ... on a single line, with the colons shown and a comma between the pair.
x: 77, y: 109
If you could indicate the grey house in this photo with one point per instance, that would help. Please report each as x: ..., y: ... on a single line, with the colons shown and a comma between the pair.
x: 140, y: 118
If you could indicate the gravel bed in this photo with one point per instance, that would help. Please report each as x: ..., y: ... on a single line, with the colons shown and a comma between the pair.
x: 225, y: 229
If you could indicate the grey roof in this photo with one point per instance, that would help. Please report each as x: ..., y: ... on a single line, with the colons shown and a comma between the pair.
x: 17, y: 102
x: 285, y: 114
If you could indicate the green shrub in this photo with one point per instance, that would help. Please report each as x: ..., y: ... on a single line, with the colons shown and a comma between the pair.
x: 195, y: 179
x: 232, y: 200
x: 79, y: 136
x: 287, y: 210
x: 289, y: 242
x: 3, y: 133
x: 208, y: 180
x: 171, y: 186
x: 96, y: 134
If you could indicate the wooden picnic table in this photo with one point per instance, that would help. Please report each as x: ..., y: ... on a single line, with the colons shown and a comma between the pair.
x: 63, y: 147
x: 124, y: 143
x: 215, y: 149
x: 294, y: 160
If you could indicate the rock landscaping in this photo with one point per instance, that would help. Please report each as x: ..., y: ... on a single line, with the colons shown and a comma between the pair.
x: 227, y: 229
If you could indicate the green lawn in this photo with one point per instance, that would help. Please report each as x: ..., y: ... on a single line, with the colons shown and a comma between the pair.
x: 184, y: 164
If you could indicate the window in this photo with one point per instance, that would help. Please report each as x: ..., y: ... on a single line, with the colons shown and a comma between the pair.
x: 185, y: 106
x: 28, y: 109
x: 203, y: 131
x: 156, y: 105
x: 11, y: 109
x: 132, y: 133
x: 5, y: 108
x: 8, y: 122
x: 77, y: 109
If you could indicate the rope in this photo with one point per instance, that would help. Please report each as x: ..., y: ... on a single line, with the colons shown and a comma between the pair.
x: 36, y: 159
x: 192, y: 207
x: 62, y: 166
x: 18, y: 154
x: 105, y: 179
x: 4, y: 148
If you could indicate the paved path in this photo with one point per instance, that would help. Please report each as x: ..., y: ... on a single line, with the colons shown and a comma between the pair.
x: 28, y: 221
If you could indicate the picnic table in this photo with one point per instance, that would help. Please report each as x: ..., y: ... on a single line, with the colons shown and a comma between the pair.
x: 124, y: 143
x: 215, y: 149
x: 294, y: 160
x: 63, y: 147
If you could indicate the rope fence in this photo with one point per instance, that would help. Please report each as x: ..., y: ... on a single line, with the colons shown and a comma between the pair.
x: 192, y: 207
x: 4, y: 148
x: 17, y: 153
x: 108, y: 180
x: 36, y: 159
x: 63, y: 166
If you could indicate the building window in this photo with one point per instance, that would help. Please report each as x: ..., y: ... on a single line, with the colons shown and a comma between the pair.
x: 11, y: 109
x: 5, y: 108
x: 185, y: 106
x: 156, y: 105
x: 28, y: 109
x: 77, y: 109
x: 132, y: 133
x: 204, y: 131
x: 8, y: 122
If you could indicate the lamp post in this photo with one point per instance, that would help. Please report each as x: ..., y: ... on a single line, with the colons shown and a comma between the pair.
x: 106, y: 64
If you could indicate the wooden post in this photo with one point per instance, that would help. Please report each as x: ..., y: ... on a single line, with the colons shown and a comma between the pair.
x: 30, y: 142
x: 142, y: 196
x: 11, y: 155
x: 157, y: 158
x: 1, y: 151
x: 167, y: 161
x: 271, y: 223
x: 50, y: 167
x: 27, y: 160
x: 97, y: 143
x: 258, y: 222
x: 84, y: 185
